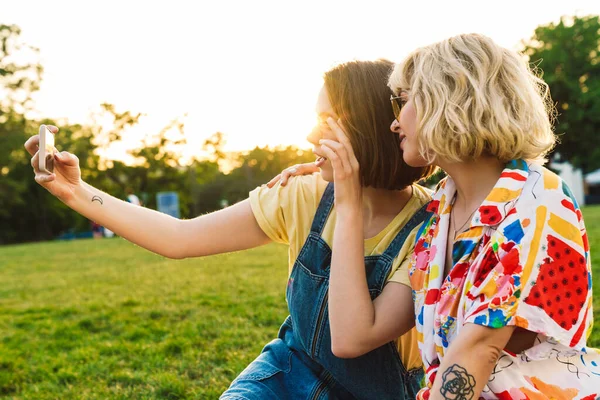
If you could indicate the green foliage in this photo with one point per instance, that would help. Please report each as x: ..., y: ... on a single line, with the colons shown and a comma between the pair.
x: 20, y: 72
x: 260, y: 165
x: 18, y: 79
x: 28, y: 213
x: 569, y: 55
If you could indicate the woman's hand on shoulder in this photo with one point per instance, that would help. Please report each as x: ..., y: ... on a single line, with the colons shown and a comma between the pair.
x: 296, y: 170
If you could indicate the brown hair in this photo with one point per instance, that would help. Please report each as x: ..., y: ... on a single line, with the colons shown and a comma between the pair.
x: 359, y: 95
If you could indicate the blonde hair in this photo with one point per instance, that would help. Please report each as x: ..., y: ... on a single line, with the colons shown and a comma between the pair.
x: 474, y: 98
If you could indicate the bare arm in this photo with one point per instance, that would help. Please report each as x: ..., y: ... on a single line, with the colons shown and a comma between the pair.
x: 463, y: 376
x: 233, y: 228
x: 358, y: 325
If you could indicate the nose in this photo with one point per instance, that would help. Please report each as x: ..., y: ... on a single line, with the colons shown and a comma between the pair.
x: 314, y: 136
x: 395, y: 126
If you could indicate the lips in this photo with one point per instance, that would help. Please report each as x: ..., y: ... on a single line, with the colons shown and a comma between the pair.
x: 320, y: 161
x: 402, y: 139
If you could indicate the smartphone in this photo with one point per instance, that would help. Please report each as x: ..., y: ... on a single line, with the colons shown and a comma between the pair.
x: 46, y: 152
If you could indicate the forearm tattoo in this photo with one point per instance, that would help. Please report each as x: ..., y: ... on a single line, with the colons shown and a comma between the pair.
x: 98, y: 199
x: 457, y: 384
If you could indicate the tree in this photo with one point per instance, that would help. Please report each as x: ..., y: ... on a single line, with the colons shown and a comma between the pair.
x: 20, y: 71
x: 568, y: 53
x: 20, y: 75
x: 259, y: 165
x: 29, y: 213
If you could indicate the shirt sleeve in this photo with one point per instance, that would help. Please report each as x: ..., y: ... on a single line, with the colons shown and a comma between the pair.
x: 283, y: 211
x: 401, y: 264
x: 267, y: 209
x: 536, y: 274
x: 401, y: 273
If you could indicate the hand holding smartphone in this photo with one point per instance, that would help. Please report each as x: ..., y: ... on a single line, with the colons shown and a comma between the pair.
x: 46, y: 149
x: 58, y: 172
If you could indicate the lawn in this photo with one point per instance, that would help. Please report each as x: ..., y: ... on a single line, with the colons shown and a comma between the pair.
x: 100, y: 319
x: 104, y: 319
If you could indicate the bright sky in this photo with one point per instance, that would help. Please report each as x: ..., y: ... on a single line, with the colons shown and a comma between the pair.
x: 251, y: 69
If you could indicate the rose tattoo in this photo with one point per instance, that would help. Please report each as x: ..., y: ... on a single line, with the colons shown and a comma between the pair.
x: 457, y: 384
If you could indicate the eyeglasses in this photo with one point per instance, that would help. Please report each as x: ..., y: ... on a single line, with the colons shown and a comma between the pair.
x: 397, y: 102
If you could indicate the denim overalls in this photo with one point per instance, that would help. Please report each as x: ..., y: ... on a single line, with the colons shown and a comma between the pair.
x: 299, y: 364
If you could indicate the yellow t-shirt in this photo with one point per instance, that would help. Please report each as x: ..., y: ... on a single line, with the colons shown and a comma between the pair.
x: 285, y: 214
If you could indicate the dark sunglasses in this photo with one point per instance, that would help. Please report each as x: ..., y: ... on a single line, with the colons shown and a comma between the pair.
x: 397, y: 102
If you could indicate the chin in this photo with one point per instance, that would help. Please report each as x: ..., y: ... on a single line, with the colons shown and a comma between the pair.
x: 417, y: 164
x: 327, y: 175
x: 414, y: 160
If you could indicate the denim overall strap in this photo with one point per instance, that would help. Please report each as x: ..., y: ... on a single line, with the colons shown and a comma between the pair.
x: 308, y: 283
x: 394, y: 247
x: 377, y: 278
x: 325, y: 206
x: 379, y: 373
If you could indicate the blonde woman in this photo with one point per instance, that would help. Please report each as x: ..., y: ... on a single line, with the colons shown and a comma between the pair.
x: 501, y: 272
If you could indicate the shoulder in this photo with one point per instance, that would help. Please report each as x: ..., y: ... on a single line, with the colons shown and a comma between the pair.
x: 422, y: 194
x: 304, y: 189
x: 283, y: 212
x: 545, y: 195
x: 544, y: 213
x: 307, y: 189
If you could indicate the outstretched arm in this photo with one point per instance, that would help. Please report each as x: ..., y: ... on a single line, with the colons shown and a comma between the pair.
x: 233, y: 228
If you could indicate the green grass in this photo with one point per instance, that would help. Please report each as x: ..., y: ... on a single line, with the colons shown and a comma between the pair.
x: 104, y: 319
x: 591, y: 217
x: 99, y: 319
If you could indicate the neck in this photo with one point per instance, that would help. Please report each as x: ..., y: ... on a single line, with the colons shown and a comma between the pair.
x: 473, y: 179
x: 383, y: 202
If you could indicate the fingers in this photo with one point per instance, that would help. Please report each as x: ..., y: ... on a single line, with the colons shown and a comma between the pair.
x: 338, y: 131
x: 309, y: 168
x: 341, y: 168
x: 35, y: 162
x: 292, y: 171
x: 343, y: 139
x: 44, y: 178
x: 296, y: 170
x: 273, y: 181
x: 66, y: 158
x: 338, y: 155
x: 32, y: 144
x: 40, y: 177
x: 283, y: 177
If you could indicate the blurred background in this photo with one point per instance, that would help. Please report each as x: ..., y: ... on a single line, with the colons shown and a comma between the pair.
x: 210, y: 99
x: 188, y: 106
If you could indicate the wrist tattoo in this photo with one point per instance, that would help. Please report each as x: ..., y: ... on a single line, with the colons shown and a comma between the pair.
x: 98, y: 199
x: 457, y: 384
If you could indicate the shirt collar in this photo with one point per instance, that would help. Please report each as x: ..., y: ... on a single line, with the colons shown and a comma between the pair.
x: 498, y: 203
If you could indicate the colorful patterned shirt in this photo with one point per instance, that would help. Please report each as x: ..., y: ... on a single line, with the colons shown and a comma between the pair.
x: 525, y: 262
